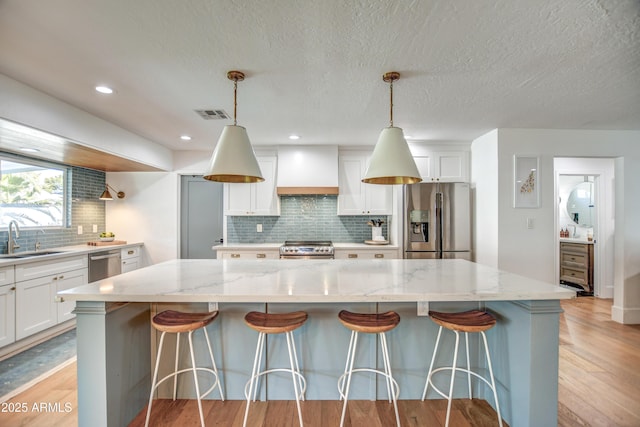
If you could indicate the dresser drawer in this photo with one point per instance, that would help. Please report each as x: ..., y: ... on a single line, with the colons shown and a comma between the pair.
x: 574, y: 260
x: 574, y: 275
x: 579, y: 248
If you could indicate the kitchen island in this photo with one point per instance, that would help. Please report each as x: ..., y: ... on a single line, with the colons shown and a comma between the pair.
x: 115, y: 341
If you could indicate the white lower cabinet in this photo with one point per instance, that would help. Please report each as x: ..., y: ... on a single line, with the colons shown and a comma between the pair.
x: 36, y: 286
x: 366, y: 253
x: 130, y: 259
x: 236, y: 254
x: 7, y: 314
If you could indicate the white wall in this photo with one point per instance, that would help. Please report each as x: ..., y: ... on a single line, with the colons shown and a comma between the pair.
x: 484, y: 182
x: 25, y: 105
x: 530, y: 252
x: 150, y: 212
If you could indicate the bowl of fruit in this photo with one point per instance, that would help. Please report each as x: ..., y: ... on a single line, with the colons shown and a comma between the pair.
x: 107, y: 236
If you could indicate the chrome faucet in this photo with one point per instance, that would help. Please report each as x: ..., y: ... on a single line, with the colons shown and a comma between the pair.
x: 12, y: 245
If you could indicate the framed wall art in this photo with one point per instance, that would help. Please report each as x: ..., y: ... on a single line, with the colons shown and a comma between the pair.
x: 526, y: 185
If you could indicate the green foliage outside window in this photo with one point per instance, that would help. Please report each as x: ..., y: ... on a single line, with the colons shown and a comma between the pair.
x: 32, y: 194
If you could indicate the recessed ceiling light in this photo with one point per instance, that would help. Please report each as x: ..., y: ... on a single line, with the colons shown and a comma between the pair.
x: 294, y: 137
x: 104, y: 89
x: 29, y: 150
x: 185, y: 137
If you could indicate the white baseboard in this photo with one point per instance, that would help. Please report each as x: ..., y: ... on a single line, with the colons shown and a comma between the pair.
x: 627, y: 316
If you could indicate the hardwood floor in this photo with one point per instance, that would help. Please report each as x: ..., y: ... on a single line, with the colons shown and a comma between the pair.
x: 599, y: 381
x: 599, y: 385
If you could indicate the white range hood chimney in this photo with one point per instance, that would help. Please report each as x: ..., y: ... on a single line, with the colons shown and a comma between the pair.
x: 308, y: 169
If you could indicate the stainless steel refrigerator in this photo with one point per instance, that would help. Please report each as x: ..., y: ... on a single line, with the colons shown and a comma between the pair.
x: 437, y: 220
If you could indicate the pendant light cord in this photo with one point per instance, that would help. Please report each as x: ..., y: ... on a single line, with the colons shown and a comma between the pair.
x: 391, y: 103
x: 235, y: 101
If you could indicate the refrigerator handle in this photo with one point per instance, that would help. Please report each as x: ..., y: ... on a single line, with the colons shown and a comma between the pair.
x: 439, y: 224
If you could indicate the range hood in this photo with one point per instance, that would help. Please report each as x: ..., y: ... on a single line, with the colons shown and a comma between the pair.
x: 308, y: 169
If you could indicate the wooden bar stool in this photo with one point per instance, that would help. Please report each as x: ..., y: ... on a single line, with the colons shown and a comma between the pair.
x: 275, y: 323
x: 177, y: 322
x: 468, y: 321
x: 375, y: 323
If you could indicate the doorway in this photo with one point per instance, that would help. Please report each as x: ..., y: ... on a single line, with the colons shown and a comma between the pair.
x: 584, y: 189
x: 201, y: 217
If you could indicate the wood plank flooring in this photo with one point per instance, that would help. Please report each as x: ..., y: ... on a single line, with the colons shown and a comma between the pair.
x: 599, y: 385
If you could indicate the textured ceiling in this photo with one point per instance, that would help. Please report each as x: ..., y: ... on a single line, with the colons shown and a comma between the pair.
x: 314, y: 67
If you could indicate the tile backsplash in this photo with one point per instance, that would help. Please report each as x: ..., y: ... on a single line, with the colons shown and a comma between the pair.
x: 303, y: 218
x: 85, y: 210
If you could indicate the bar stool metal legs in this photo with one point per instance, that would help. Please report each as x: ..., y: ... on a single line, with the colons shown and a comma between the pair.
x: 471, y: 321
x: 177, y: 322
x: 368, y: 323
x: 275, y: 323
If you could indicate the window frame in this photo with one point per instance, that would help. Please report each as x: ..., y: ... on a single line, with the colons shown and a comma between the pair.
x: 66, y: 187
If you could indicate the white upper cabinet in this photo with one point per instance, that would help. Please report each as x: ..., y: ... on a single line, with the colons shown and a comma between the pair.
x: 356, y: 197
x: 436, y: 163
x: 254, y: 199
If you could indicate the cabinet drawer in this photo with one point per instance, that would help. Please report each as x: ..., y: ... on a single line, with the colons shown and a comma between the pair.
x: 6, y: 275
x: 130, y: 252
x: 579, y: 248
x: 574, y: 275
x: 574, y: 260
x: 37, y: 269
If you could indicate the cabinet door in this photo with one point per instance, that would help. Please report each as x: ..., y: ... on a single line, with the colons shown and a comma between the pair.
x: 7, y: 314
x: 378, y: 199
x: 265, y: 199
x: 444, y: 166
x: 35, y: 307
x: 451, y: 166
x: 68, y: 280
x: 254, y: 199
x: 237, y: 199
x: 351, y: 195
x: 130, y: 264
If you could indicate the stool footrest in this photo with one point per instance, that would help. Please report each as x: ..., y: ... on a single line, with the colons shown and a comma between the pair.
x: 375, y: 371
x: 297, y: 374
x: 456, y: 369
x: 185, y: 370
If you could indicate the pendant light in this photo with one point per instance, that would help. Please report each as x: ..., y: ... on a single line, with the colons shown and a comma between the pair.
x: 391, y: 161
x: 233, y: 159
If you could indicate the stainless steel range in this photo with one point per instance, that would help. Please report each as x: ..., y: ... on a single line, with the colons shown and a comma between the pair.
x: 306, y: 249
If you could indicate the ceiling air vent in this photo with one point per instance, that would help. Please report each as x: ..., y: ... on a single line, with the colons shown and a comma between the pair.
x: 213, y: 114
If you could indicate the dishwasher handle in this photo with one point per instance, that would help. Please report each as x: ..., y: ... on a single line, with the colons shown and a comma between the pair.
x: 99, y: 257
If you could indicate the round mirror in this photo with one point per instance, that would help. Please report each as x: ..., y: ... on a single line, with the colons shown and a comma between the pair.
x: 580, y: 204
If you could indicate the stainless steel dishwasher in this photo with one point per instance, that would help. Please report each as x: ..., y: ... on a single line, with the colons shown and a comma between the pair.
x: 104, y: 264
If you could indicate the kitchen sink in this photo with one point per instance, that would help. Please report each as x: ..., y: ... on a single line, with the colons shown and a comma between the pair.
x: 28, y: 254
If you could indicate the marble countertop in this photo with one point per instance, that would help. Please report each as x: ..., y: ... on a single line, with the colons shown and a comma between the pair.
x: 316, y: 281
x: 62, y: 252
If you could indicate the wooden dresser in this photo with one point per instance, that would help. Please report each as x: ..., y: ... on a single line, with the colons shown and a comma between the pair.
x: 576, y: 265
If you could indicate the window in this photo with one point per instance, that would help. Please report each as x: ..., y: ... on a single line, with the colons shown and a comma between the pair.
x: 32, y: 193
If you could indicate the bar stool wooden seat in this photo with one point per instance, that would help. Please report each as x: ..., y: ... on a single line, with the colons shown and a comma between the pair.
x: 473, y: 321
x: 275, y: 323
x: 178, y: 322
x: 369, y: 323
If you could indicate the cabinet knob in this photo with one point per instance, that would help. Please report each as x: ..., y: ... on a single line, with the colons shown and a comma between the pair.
x: 61, y: 277
x: 261, y: 255
x: 235, y: 255
x: 379, y: 255
x: 13, y: 288
x: 130, y: 252
x: 352, y: 256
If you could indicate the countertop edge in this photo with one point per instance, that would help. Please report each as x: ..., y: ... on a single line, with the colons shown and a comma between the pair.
x: 65, y: 251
